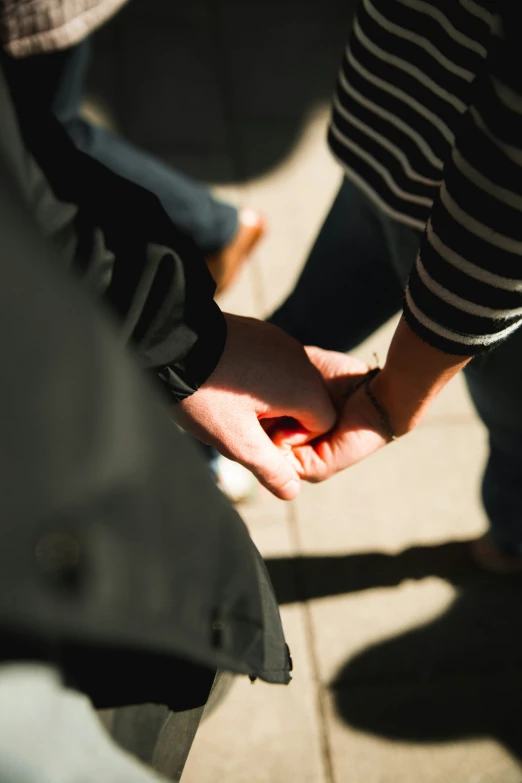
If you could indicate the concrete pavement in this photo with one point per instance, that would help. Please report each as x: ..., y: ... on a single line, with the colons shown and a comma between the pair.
x: 406, y: 657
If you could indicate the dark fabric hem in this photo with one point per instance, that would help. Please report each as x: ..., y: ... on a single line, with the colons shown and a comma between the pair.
x: 182, y: 379
x: 448, y: 347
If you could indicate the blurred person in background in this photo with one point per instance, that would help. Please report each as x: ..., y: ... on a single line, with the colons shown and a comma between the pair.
x: 427, y: 126
x: 50, y: 39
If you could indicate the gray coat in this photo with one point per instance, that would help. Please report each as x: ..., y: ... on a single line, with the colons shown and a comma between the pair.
x: 118, y: 555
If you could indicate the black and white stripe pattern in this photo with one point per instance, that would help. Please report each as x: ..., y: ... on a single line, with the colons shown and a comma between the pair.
x: 427, y: 120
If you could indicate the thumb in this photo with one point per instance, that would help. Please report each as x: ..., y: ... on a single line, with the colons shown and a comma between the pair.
x: 273, y: 467
x: 285, y: 432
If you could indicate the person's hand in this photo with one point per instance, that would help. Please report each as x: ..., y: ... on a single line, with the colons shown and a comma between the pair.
x: 358, y: 432
x: 414, y: 374
x: 263, y: 375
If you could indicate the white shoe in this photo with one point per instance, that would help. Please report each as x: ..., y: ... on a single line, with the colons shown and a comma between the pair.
x: 235, y: 481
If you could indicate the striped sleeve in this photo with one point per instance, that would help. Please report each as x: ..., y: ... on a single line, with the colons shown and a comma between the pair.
x: 464, y: 295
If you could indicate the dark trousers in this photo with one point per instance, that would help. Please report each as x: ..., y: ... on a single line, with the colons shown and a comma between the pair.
x: 58, y: 80
x: 353, y: 282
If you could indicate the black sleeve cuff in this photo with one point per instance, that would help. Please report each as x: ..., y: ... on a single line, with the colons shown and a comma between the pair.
x: 183, y: 378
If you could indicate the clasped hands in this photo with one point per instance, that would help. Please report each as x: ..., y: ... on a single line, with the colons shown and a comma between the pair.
x: 281, y: 410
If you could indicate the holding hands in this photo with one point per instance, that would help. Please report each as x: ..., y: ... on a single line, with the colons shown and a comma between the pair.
x: 290, y: 414
x: 358, y: 431
x: 263, y: 376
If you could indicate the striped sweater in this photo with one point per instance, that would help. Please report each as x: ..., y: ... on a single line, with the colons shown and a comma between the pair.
x: 427, y: 120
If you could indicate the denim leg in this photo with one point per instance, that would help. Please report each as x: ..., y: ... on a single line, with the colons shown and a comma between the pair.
x: 348, y: 287
x: 353, y: 282
x: 212, y: 224
x: 58, y: 81
x: 49, y: 732
x: 495, y: 385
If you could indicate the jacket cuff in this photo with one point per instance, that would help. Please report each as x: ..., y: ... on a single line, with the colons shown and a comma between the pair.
x: 181, y: 379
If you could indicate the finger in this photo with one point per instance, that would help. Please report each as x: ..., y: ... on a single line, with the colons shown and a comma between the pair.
x: 289, y: 439
x: 316, y: 421
x: 351, y: 442
x: 285, y: 432
x: 311, y: 406
x: 311, y: 464
x: 338, y: 370
x: 270, y: 465
x: 333, y: 364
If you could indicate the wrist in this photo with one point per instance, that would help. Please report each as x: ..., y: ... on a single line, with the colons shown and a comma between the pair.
x: 414, y: 374
x: 404, y: 407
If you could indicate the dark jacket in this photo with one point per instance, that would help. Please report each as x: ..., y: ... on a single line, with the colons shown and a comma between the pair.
x: 118, y: 239
x: 118, y: 556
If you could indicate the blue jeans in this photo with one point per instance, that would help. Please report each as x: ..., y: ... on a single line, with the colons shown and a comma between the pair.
x: 353, y: 281
x: 60, y: 81
x: 40, y: 716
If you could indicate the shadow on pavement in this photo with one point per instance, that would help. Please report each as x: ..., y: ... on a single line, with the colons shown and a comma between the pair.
x: 218, y: 88
x: 457, y: 677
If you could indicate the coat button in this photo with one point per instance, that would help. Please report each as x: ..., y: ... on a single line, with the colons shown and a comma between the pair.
x: 218, y: 629
x: 59, y: 557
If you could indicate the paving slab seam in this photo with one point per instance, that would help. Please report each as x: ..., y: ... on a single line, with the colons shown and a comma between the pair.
x: 326, y: 750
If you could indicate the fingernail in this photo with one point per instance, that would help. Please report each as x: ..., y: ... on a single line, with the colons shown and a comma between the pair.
x: 291, y: 490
